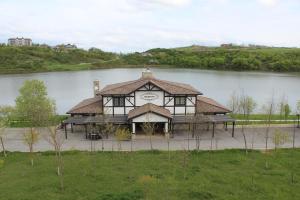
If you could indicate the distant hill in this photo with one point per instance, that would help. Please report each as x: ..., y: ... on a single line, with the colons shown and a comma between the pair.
x: 39, y: 59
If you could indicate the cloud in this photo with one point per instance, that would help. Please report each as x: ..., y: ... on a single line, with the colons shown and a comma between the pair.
x: 268, y: 2
x: 175, y: 3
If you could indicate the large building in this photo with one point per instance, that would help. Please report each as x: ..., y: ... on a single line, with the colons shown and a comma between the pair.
x: 147, y: 99
x: 19, y: 41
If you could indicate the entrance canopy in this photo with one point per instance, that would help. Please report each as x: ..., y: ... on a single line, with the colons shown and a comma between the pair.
x: 149, y: 113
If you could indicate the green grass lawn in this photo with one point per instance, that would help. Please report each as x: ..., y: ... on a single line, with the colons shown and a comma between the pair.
x: 148, y: 175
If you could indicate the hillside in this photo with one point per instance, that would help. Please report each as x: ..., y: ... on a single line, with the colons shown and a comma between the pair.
x: 40, y: 59
x: 219, y: 58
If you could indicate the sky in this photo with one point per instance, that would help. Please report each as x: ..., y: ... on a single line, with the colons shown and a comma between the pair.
x: 138, y: 25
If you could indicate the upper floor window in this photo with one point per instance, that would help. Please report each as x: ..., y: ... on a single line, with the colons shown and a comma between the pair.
x: 119, y: 101
x: 180, y: 101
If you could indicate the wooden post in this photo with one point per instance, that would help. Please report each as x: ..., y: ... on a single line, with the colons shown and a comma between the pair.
x: 86, y: 135
x: 226, y: 126
x: 213, y: 133
x: 233, y: 125
x: 72, y: 130
x: 66, y: 133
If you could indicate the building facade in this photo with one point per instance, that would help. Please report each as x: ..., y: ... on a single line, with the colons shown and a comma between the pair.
x: 19, y: 42
x: 146, y: 99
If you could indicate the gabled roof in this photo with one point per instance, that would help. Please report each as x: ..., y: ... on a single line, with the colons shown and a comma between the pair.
x: 88, y: 106
x: 130, y: 86
x: 209, y: 106
x: 149, y: 108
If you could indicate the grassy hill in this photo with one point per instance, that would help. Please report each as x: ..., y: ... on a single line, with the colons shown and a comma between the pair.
x: 39, y: 59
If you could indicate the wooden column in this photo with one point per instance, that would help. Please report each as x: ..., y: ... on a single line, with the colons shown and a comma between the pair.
x: 86, y: 135
x: 233, y: 125
x: 213, y: 132
x: 72, y: 130
x: 226, y: 126
x: 133, y: 128
x: 66, y: 133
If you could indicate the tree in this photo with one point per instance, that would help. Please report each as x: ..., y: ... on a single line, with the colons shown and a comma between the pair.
x: 56, y: 140
x: 298, y: 107
x: 247, y: 105
x: 281, y: 106
x: 234, y: 103
x: 5, y: 113
x: 121, y: 135
x: 280, y: 138
x: 269, y: 111
x: 287, y: 111
x: 149, y: 128
x: 34, y: 107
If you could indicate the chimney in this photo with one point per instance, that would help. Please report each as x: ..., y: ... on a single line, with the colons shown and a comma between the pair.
x: 147, y: 73
x: 96, y: 87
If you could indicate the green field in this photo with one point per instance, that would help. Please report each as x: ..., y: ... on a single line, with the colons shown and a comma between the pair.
x: 205, y: 175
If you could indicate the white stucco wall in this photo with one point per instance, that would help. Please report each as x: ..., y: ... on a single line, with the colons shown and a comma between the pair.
x: 158, y: 100
x: 150, y: 117
x: 119, y: 110
x: 107, y: 101
x: 190, y: 101
x: 190, y: 110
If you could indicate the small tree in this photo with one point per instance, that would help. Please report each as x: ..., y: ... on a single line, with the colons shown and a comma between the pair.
x: 298, y: 107
x: 56, y: 140
x: 287, y: 111
x: 34, y: 107
x: 247, y: 105
x: 234, y: 103
x: 31, y: 137
x: 280, y: 138
x: 149, y: 129
x: 5, y: 113
x: 268, y: 109
x: 281, y: 106
x: 121, y: 135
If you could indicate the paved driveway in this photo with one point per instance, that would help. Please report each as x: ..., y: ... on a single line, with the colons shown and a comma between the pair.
x: 76, y: 141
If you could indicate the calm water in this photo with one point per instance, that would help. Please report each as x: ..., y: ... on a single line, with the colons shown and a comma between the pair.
x: 69, y: 88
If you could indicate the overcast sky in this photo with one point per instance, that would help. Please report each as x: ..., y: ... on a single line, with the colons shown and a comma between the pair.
x: 138, y: 25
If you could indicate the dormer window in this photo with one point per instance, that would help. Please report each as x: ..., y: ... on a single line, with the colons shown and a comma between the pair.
x: 118, y: 101
x: 180, y: 101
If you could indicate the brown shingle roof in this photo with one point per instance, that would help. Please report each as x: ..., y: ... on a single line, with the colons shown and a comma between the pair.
x: 209, y: 106
x: 149, y: 107
x: 130, y: 86
x: 88, y: 106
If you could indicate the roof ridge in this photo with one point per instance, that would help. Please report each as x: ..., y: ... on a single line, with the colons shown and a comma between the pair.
x: 170, y: 82
x: 128, y: 82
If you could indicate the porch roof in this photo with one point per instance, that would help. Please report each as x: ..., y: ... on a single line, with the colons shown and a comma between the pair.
x: 149, y: 108
x: 198, y: 119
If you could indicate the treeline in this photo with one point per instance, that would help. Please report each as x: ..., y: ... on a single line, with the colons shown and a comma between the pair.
x: 40, y: 58
x: 243, y: 58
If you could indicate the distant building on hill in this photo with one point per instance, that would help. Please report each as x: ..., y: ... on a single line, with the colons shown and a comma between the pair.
x: 227, y: 45
x: 65, y: 47
x: 19, y: 41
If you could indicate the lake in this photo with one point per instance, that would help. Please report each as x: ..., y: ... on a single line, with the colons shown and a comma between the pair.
x: 69, y: 88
